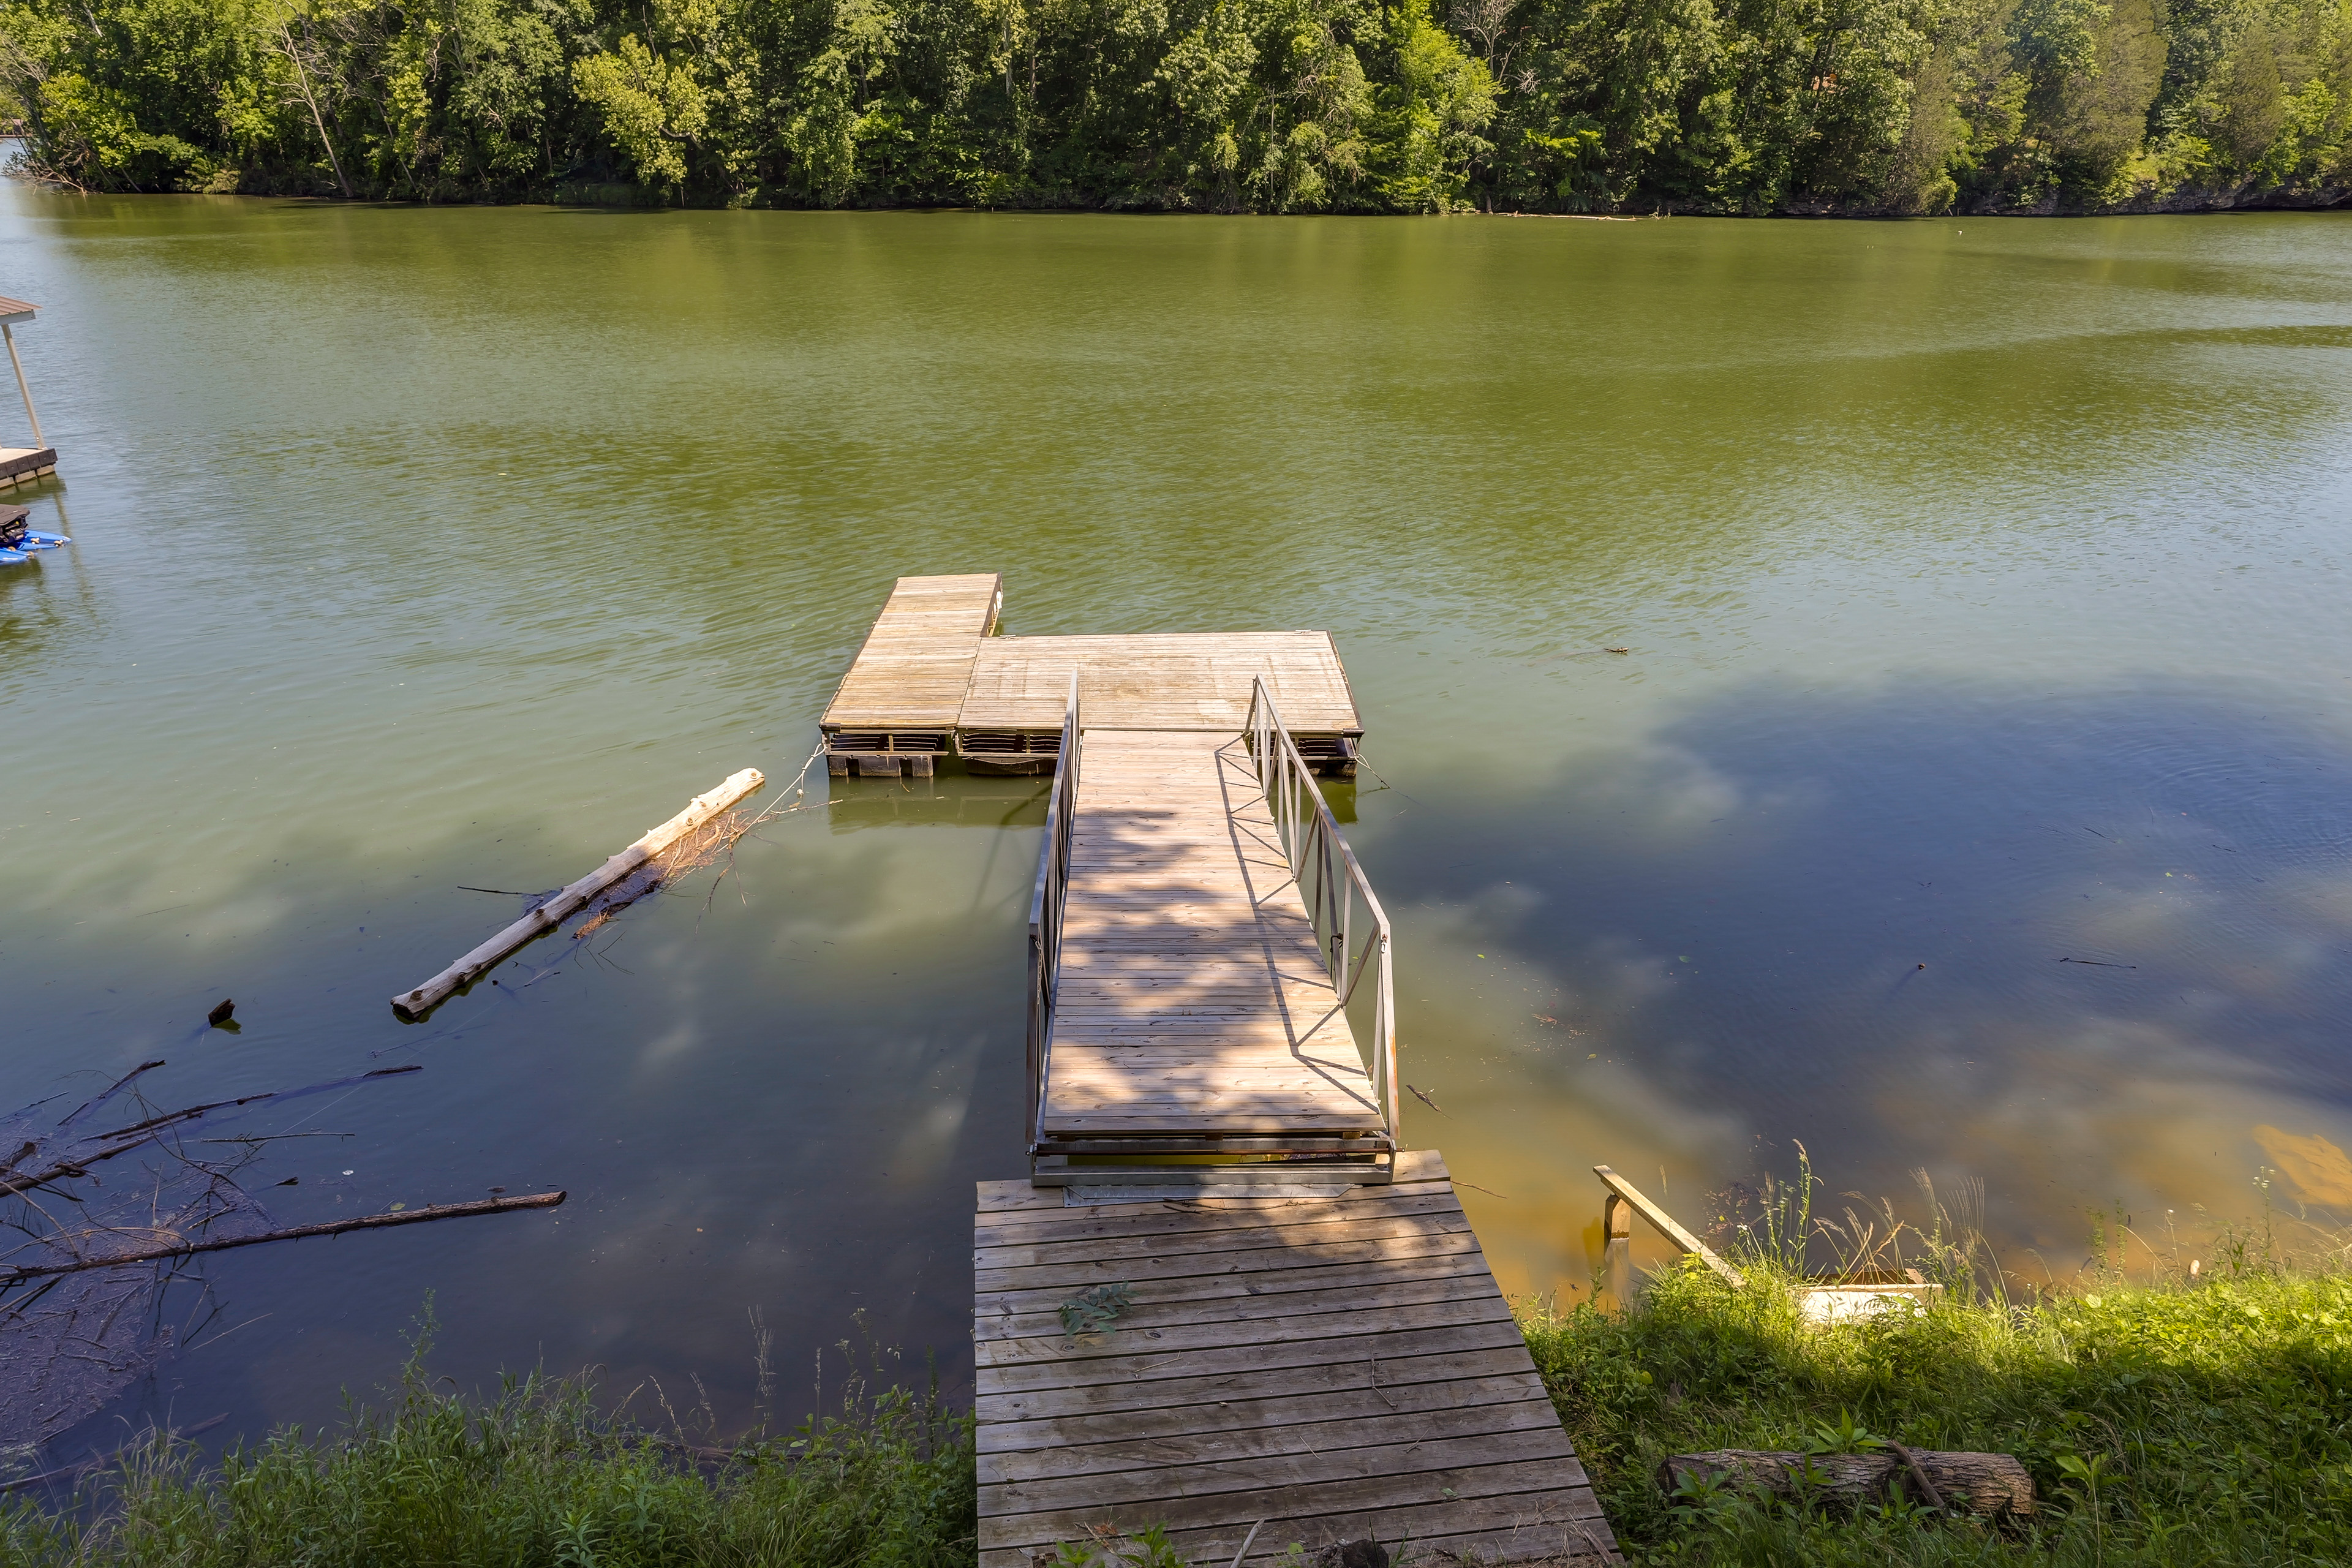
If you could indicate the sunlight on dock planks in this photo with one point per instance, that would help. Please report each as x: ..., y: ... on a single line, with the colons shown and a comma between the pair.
x: 1193, y: 999
x: 931, y: 680
x: 1340, y: 1367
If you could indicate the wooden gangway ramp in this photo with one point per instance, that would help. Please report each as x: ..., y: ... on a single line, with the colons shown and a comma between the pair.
x: 1195, y: 1011
x: 1340, y: 1366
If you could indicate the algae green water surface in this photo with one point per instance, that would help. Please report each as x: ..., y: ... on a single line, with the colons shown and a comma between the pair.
x: 1984, y: 585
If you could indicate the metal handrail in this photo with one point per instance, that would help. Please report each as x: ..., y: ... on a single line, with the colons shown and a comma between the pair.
x: 1046, y: 907
x: 1329, y: 882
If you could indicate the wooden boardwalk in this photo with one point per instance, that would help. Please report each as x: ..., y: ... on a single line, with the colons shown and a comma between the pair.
x: 1339, y: 1367
x: 1305, y: 1337
x: 1194, y: 1001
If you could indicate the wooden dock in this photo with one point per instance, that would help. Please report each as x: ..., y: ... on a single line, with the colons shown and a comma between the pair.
x: 932, y: 681
x: 1338, y: 1367
x: 1226, y: 1303
x: 899, y: 699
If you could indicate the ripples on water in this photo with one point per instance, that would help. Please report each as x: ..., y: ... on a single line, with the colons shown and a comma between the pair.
x: 1985, y: 592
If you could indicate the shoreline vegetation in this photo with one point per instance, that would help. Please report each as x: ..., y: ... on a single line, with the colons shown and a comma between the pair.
x: 533, y: 1475
x: 2199, y: 1413
x: 2175, y: 1405
x: 1594, y: 106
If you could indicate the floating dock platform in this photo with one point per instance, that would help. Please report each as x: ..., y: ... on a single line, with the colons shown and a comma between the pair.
x: 933, y: 681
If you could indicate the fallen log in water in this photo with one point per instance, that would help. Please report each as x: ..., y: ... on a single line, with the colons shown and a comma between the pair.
x: 1990, y: 1485
x: 295, y: 1232
x: 411, y: 1006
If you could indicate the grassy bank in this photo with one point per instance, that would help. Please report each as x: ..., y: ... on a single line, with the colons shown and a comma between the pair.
x: 536, y: 1476
x: 2183, y: 1422
x: 2177, y: 1421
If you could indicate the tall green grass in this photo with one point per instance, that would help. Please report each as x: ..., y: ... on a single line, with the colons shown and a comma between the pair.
x: 2175, y: 1419
x: 533, y: 1476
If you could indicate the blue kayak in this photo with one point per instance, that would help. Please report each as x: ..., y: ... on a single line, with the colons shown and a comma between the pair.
x: 12, y: 557
x: 41, y: 541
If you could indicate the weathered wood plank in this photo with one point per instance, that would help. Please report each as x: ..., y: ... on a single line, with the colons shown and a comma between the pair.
x: 915, y: 665
x: 1080, y: 1430
x: 1387, y: 1487
x: 1222, y: 1285
x: 1056, y: 1457
x: 1368, y: 1350
x: 1376, y: 1377
x: 1280, y: 1220
x: 1147, y: 1343
x: 1260, y: 1260
x: 1413, y: 1448
x: 1426, y: 1217
x: 1157, y: 1313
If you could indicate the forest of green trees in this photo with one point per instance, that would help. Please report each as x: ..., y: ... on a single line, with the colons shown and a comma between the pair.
x: 1733, y: 106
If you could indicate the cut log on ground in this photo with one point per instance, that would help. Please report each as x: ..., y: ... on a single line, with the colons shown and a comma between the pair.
x: 412, y: 1006
x: 1991, y: 1486
x: 331, y: 1227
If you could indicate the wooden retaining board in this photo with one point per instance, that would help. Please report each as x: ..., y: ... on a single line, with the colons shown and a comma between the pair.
x: 915, y: 666
x: 1194, y: 998
x: 1338, y: 1367
x: 1166, y: 681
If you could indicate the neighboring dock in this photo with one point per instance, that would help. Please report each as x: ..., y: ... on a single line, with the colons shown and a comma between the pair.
x: 22, y: 465
x: 1338, y: 1367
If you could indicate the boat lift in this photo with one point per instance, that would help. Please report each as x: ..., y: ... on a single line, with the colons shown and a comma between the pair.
x: 21, y: 465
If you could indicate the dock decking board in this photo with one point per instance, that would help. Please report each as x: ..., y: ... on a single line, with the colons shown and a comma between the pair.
x: 1386, y: 1394
x: 929, y: 677
x: 1193, y: 998
x: 915, y: 666
x: 1160, y: 681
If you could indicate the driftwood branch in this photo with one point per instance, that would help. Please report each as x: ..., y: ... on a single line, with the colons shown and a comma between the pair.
x: 110, y: 1090
x: 411, y: 1006
x: 1990, y: 1485
x: 295, y: 1232
x: 122, y: 1139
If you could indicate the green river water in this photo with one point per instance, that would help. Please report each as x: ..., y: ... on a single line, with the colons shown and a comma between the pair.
x: 1984, y: 583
